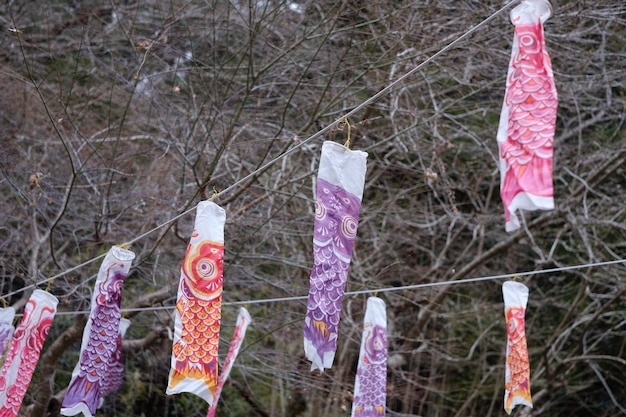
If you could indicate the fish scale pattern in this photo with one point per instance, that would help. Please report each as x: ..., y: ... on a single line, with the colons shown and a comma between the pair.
x: 335, y: 228
x: 24, y: 351
x: 370, y: 387
x: 531, y: 102
x: 115, y: 374
x: 100, y: 340
x: 194, y: 364
x: 517, y: 387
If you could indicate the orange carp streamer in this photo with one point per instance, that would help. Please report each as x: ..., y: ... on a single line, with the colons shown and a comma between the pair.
x: 517, y: 378
x: 198, y: 307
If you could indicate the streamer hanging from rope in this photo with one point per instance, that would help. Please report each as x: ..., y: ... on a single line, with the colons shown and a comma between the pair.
x: 100, y: 337
x: 340, y: 182
x: 243, y: 320
x: 528, y: 118
x: 24, y: 351
x: 517, y: 376
x: 198, y: 307
x: 381, y: 93
x: 370, y: 387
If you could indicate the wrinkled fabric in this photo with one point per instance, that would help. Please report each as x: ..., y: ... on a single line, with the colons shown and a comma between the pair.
x: 340, y: 182
x: 115, y: 375
x: 90, y: 377
x: 198, y: 307
x: 517, y: 376
x: 24, y: 351
x: 370, y: 387
x: 528, y: 118
x: 243, y: 320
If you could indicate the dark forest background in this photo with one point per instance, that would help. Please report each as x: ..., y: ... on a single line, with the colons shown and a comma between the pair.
x: 116, y: 116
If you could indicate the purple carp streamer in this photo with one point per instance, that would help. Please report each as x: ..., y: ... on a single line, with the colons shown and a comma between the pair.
x: 6, y: 327
x: 199, y: 307
x: 100, y: 337
x: 370, y: 387
x: 115, y: 376
x: 517, y: 374
x: 243, y: 320
x: 340, y: 182
x: 528, y: 118
x: 24, y: 351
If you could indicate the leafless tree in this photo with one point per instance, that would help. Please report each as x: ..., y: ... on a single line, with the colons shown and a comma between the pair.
x: 120, y: 115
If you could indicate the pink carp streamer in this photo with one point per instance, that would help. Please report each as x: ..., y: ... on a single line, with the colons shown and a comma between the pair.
x: 340, y: 183
x: 199, y: 307
x: 24, y: 351
x: 370, y: 387
x: 517, y: 377
x: 6, y: 327
x: 528, y: 117
x: 243, y: 320
x: 90, y: 378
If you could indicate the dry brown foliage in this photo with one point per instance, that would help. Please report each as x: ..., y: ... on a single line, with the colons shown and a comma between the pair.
x: 119, y: 115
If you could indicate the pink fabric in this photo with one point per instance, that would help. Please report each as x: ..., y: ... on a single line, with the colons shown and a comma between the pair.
x: 243, y: 320
x: 528, y: 118
x: 24, y: 351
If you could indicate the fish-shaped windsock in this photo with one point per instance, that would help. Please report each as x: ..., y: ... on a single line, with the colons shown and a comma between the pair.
x: 517, y: 374
x: 199, y: 307
x: 370, y: 387
x: 24, y: 351
x: 528, y: 117
x: 340, y: 183
x: 91, y: 376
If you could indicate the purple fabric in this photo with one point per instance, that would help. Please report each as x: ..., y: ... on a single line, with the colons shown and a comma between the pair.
x: 6, y: 326
x: 115, y: 376
x: 100, y: 339
x: 371, y: 377
x: 335, y: 228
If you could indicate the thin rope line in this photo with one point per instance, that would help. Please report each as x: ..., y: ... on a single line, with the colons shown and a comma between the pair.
x: 371, y: 99
x: 288, y: 152
x: 320, y: 132
x: 381, y: 290
x: 60, y: 274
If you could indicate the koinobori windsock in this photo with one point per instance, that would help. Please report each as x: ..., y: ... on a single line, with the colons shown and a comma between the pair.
x: 91, y: 376
x: 198, y: 307
x: 370, y: 387
x: 517, y: 373
x: 528, y: 117
x: 340, y: 182
x: 243, y: 320
x: 24, y: 351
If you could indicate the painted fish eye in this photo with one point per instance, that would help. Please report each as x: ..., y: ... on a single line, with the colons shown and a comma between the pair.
x: 529, y: 42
